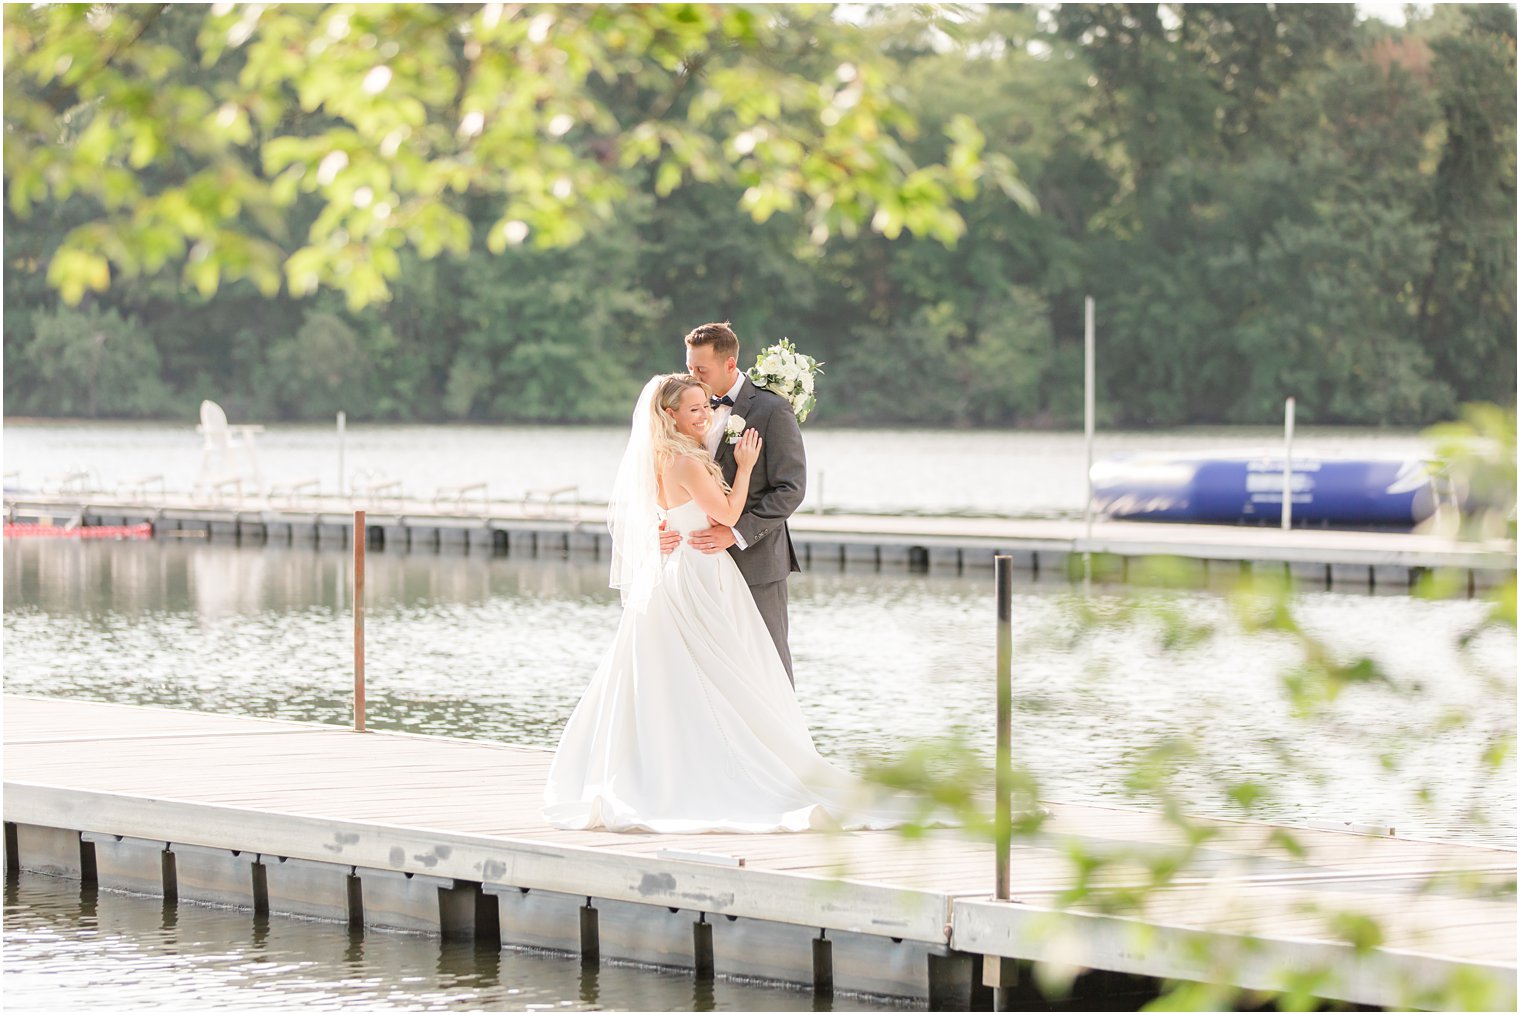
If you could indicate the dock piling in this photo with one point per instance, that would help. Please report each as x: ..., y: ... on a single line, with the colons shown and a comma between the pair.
x: 1001, y: 975
x: 355, y: 887
x: 950, y: 982
x: 259, y: 877
x: 823, y: 966
x: 591, y: 947
x: 702, y: 948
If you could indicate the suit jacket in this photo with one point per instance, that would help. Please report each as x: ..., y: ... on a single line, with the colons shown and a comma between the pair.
x: 776, y: 485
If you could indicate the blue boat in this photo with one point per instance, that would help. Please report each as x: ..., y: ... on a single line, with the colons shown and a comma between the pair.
x: 1247, y: 488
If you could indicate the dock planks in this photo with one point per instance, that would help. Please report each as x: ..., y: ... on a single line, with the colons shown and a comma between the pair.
x: 469, y: 810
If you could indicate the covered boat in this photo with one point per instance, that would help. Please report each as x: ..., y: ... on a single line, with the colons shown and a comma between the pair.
x: 1247, y: 488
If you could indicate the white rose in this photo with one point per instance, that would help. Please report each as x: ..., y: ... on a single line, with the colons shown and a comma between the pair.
x: 807, y: 383
x: 772, y: 364
x: 734, y: 429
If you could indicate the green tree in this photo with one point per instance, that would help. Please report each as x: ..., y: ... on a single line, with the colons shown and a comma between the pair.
x: 545, y: 335
x: 1264, y: 200
x: 1269, y: 233
x: 1467, y: 296
x: 91, y: 362
x: 325, y: 366
x: 383, y: 114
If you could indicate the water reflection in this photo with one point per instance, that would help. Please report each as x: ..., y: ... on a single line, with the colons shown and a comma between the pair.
x: 499, y: 648
x: 214, y: 580
x: 67, y: 944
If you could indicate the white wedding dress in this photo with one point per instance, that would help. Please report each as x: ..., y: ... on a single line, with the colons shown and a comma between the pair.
x: 690, y: 724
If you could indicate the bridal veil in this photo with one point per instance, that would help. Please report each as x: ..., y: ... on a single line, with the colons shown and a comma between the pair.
x: 633, y: 510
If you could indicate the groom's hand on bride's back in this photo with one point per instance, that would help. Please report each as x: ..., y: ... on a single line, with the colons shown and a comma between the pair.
x: 669, y: 540
x: 715, y: 539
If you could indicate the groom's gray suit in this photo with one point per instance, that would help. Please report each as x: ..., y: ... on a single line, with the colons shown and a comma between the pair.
x: 776, y: 488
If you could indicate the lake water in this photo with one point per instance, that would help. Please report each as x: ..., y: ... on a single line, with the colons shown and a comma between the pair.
x: 497, y: 648
x: 70, y: 948
x: 997, y: 472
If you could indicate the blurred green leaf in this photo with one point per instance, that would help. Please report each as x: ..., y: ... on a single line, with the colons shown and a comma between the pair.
x: 1359, y: 930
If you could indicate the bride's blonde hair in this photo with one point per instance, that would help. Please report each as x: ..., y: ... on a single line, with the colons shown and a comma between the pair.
x: 669, y: 443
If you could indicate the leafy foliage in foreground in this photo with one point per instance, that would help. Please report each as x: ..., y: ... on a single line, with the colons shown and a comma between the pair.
x: 1176, y: 772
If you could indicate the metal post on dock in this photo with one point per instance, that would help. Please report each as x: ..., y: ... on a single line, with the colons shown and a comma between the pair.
x: 1089, y: 408
x: 1001, y: 974
x: 342, y: 426
x: 1089, y: 401
x: 1287, y: 497
x: 1003, y: 810
x: 359, y: 542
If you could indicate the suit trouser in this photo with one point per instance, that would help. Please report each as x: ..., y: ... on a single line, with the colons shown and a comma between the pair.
x: 770, y: 597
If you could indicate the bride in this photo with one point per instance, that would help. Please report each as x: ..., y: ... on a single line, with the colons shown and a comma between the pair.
x: 690, y: 723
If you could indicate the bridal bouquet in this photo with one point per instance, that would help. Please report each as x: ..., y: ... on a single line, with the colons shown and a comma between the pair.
x: 789, y: 373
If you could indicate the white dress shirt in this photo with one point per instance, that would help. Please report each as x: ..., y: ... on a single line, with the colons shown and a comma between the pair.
x: 715, y: 433
x: 720, y: 417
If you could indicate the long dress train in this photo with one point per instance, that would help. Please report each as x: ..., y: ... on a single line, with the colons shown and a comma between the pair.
x: 690, y: 724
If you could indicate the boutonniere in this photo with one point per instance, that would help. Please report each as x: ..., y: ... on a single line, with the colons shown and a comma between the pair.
x: 734, y: 429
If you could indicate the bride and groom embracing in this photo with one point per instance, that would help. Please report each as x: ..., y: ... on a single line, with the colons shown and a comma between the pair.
x: 690, y: 723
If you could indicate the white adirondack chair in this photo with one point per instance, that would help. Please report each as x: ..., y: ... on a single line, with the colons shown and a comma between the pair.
x: 229, y: 457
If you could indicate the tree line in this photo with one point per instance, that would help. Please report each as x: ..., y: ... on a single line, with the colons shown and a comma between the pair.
x: 1263, y: 200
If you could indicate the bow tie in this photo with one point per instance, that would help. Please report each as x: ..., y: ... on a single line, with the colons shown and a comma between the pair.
x: 715, y: 401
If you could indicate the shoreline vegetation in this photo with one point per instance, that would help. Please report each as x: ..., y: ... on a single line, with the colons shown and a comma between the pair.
x: 1263, y: 201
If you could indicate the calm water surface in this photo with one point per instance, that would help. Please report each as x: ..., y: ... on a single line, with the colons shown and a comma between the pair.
x: 999, y: 472
x: 499, y: 648
x: 69, y: 948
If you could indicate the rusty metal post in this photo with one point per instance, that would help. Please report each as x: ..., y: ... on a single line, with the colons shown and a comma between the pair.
x: 1002, y: 974
x: 1003, y: 812
x: 359, y: 541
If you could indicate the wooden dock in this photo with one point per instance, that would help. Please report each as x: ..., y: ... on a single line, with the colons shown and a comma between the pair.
x: 443, y: 836
x: 1048, y: 547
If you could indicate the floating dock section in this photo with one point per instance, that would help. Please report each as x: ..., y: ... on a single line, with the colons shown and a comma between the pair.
x: 1389, y: 561
x: 443, y: 836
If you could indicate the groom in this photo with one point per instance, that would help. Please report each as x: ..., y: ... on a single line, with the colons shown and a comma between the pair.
x: 759, y: 542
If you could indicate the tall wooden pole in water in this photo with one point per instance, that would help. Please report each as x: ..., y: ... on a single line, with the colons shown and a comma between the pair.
x: 1003, y: 812
x: 359, y: 542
